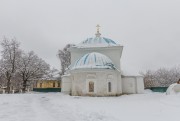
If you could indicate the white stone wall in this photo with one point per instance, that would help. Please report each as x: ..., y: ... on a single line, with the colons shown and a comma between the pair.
x: 119, y: 84
x: 128, y: 85
x: 77, y: 83
x: 66, y: 84
x: 132, y: 84
x: 80, y: 84
x: 140, y: 84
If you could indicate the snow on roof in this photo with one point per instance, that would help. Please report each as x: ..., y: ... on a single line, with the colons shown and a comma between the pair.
x: 96, y: 42
x: 94, y: 60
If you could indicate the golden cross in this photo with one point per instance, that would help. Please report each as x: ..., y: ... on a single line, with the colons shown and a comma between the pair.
x: 98, y: 28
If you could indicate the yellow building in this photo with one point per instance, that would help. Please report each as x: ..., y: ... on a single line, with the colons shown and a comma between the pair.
x: 48, y: 86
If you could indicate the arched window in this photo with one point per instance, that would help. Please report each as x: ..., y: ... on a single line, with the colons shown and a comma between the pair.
x: 109, y: 87
x: 40, y: 85
x: 59, y: 84
x: 54, y: 84
x: 91, y: 86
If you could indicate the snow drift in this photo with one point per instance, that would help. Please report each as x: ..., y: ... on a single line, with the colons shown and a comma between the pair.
x: 173, y: 89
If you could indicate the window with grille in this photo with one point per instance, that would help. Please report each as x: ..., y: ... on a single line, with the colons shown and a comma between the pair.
x: 58, y: 84
x: 91, y: 86
x: 54, y: 84
x: 109, y: 86
x: 40, y: 85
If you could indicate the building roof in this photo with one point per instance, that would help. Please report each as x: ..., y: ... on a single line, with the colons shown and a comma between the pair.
x: 93, y: 60
x: 96, y: 41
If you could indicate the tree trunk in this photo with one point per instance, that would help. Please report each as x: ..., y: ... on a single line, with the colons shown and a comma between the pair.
x: 24, y: 86
x: 8, y: 86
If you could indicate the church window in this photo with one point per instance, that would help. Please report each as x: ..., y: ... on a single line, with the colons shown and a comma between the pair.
x: 58, y: 84
x: 91, y: 86
x: 53, y: 84
x: 109, y: 86
x: 40, y: 85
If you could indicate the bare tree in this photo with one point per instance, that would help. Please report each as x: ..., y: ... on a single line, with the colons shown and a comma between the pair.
x: 162, y: 77
x: 149, y: 79
x: 52, y: 74
x: 8, y: 64
x: 65, y: 57
x: 174, y: 74
x: 18, y: 68
x: 31, y: 67
x: 2, y: 81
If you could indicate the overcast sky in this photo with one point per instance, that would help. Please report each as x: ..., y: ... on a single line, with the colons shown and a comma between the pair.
x: 149, y: 30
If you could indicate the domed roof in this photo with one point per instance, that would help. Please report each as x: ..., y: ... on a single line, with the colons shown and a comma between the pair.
x: 93, y: 60
x: 97, y: 41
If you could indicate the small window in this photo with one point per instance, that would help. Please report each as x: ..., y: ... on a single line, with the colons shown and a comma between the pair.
x: 58, y: 84
x: 40, y: 85
x: 109, y: 86
x: 54, y: 84
x: 91, y: 86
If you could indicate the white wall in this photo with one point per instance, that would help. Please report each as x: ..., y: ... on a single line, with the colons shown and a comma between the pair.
x: 132, y: 84
x: 119, y: 84
x: 66, y: 84
x: 128, y: 85
x: 80, y: 84
x: 140, y: 84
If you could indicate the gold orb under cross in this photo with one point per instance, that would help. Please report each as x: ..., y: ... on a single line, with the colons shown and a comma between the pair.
x: 98, y: 27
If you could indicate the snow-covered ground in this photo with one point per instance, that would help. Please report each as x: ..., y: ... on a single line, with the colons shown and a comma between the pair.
x: 59, y: 107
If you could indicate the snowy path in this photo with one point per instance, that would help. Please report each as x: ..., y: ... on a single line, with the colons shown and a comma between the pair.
x: 32, y: 107
x: 59, y: 107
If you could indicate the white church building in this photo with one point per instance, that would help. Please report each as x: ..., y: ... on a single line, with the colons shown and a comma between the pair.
x: 96, y: 70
